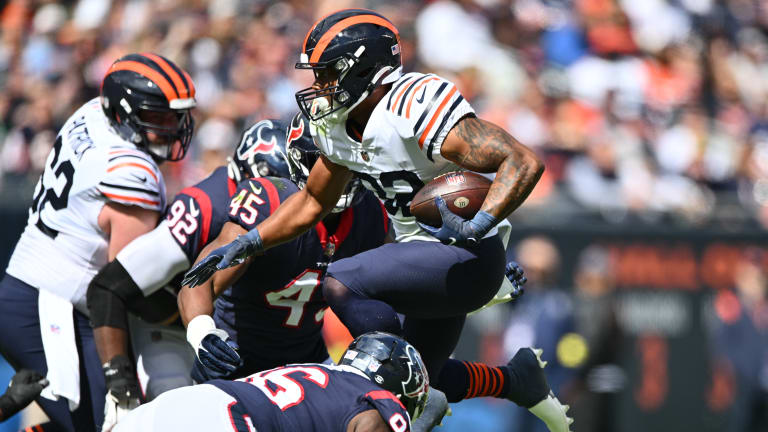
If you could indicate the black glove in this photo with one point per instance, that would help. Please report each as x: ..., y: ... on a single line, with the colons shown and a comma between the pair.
x: 25, y: 386
x: 123, y: 393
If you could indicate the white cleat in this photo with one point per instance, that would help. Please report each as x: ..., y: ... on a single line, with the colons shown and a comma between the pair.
x: 553, y: 414
x: 539, y: 352
x: 550, y: 410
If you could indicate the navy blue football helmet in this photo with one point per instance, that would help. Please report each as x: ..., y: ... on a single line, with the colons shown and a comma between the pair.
x: 303, y: 153
x: 261, y: 152
x: 394, y: 365
x: 351, y: 52
x: 138, y: 87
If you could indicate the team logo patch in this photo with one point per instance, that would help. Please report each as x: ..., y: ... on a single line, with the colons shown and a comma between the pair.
x: 461, y: 202
x: 365, y: 156
x: 455, y: 179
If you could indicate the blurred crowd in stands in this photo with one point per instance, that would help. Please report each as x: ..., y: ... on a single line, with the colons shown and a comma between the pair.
x: 641, y: 109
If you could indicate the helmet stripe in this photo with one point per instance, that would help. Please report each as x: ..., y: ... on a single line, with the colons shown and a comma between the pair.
x: 149, y: 73
x: 306, y: 38
x: 176, y: 79
x: 344, y: 24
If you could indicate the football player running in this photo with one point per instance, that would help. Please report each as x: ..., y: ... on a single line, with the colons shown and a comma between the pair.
x: 397, y: 132
x: 101, y: 188
x: 380, y: 385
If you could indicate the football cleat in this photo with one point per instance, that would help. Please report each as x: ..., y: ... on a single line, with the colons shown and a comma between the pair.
x: 527, y: 368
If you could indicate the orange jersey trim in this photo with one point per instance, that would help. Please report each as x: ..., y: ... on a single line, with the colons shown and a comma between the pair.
x: 397, y: 99
x: 423, y: 136
x: 130, y: 198
x: 134, y: 164
x: 413, y: 94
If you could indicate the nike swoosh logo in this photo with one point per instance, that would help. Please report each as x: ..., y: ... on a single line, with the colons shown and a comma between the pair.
x: 141, y: 179
x: 192, y: 210
x: 256, y: 190
x: 423, y: 92
x: 451, y: 241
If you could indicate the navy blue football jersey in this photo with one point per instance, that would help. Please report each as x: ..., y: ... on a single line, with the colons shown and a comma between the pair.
x: 275, y: 310
x: 197, y: 213
x: 309, y: 398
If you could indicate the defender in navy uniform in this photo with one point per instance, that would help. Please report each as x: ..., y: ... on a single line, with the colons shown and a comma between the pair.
x: 134, y: 282
x: 273, y: 310
x: 380, y: 385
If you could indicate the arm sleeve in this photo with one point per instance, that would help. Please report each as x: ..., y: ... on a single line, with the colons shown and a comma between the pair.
x: 391, y: 409
x: 432, y: 106
x: 132, y: 179
x: 257, y: 198
x: 153, y: 259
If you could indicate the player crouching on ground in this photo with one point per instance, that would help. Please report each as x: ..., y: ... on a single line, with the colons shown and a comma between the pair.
x: 379, y: 386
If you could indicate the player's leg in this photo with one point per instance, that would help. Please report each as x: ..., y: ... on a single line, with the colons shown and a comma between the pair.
x: 196, y: 408
x: 419, y: 279
x: 521, y: 380
x: 163, y: 357
x: 21, y: 343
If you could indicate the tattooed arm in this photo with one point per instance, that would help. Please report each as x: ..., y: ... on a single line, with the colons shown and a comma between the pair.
x: 481, y: 146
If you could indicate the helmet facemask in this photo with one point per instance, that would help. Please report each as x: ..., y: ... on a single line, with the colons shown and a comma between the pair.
x: 301, y: 162
x: 164, y: 140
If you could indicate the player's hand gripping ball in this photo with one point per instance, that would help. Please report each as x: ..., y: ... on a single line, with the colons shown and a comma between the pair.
x: 458, y: 222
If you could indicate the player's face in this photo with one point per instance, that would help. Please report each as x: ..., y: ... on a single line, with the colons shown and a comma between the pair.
x: 163, y: 133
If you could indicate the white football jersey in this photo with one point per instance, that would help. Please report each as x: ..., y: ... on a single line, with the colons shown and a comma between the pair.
x: 399, y: 151
x: 62, y: 247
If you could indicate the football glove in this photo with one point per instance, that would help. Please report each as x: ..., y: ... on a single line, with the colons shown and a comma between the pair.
x: 25, y: 386
x: 123, y: 393
x: 226, y: 256
x: 217, y: 356
x: 457, y: 231
x: 515, y: 276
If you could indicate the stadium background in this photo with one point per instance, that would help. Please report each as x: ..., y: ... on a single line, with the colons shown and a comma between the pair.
x: 644, y: 243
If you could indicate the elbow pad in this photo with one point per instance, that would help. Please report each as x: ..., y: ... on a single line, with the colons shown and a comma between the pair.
x: 108, y: 294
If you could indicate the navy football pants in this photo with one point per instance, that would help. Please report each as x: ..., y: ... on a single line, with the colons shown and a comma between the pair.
x: 22, y: 346
x: 432, y: 284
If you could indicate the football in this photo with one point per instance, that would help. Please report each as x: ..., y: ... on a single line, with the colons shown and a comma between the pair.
x: 463, y: 191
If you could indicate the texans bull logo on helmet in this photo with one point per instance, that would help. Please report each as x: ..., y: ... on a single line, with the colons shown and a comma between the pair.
x: 260, y: 138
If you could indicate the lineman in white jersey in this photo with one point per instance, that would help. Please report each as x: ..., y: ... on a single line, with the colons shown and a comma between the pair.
x: 101, y: 188
x: 397, y: 133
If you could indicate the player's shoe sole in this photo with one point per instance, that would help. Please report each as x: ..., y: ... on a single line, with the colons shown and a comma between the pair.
x: 529, y: 367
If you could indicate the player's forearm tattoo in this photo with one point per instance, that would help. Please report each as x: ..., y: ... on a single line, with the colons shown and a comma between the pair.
x: 493, y: 149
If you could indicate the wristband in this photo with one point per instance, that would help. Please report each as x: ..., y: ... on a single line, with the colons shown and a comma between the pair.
x: 482, y: 223
x: 198, y: 328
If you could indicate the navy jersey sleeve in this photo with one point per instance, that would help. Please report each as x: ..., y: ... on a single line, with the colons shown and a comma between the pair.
x: 391, y: 409
x: 189, y: 219
x: 257, y: 198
